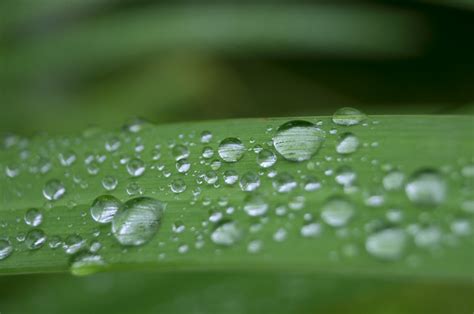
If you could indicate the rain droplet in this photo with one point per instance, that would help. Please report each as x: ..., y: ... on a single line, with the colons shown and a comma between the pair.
x: 104, y: 208
x: 180, y: 152
x: 393, y: 180
x: 345, y: 176
x: 426, y: 188
x: 298, y: 140
x: 284, y: 182
x: 86, y: 264
x: 348, y: 144
x: 231, y: 149
x: 254, y: 246
x: 207, y: 152
x: 280, y: 235
x: 53, y: 190
x: 227, y: 233
x: 33, y: 217
x: 35, y: 239
x: 255, y: 205
x: 178, y: 186
x: 5, y: 249
x: 230, y: 177
x: 387, y: 244
x: 337, y: 211
x: 249, y: 181
x: 135, y: 167
x: 183, y: 165
x: 67, y: 158
x: 138, y: 222
x: 206, y: 136
x: 73, y: 244
x: 348, y: 116
x: 109, y: 183
x: 112, y: 144
x: 311, y: 229
x: 311, y: 183
x: 266, y: 158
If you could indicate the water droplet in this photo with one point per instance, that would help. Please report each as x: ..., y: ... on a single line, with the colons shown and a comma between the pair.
x: 227, y: 233
x: 280, y: 235
x: 138, y: 222
x: 461, y: 227
x: 348, y: 116
x: 206, y: 137
x: 337, y: 211
x: 86, y: 264
x: 178, y: 227
x: 178, y: 186
x: 348, y: 144
x: 53, y: 190
x: 180, y: 152
x: 112, y: 144
x: 255, y: 205
x: 345, y: 176
x: 104, y: 208
x: 284, y: 182
x: 67, y: 158
x: 250, y: 181
x: 387, y: 244
x: 33, y: 217
x: 427, y: 237
x: 35, y: 239
x: 73, y: 244
x: 207, y: 152
x: 311, y: 184
x: 393, y: 180
x: 54, y: 242
x: 183, y: 165
x: 6, y: 249
x: 230, y: 177
x: 254, y: 246
x: 266, y: 158
x: 183, y: 248
x: 298, y: 140
x: 231, y: 149
x: 210, y: 177
x: 311, y: 229
x: 468, y: 171
x: 109, y: 183
x: 426, y: 188
x: 135, y: 167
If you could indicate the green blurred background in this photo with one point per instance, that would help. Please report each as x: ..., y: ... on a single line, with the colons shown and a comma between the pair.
x: 69, y: 64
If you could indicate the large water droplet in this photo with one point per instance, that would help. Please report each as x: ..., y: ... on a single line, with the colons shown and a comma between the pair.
x: 231, y: 149
x: 337, y: 211
x: 387, y: 244
x: 53, y: 190
x: 33, y: 217
x: 227, y: 233
x: 35, y: 239
x: 138, y: 222
x: 348, y: 116
x: 426, y: 188
x: 104, y: 208
x: 298, y: 140
x: 348, y: 144
x: 6, y: 249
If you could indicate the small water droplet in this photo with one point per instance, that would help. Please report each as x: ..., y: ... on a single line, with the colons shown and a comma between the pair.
x: 426, y: 188
x: 254, y: 246
x: 311, y: 229
x: 135, y: 167
x: 53, y: 190
x: 280, y: 235
x: 138, y: 222
x: 345, y: 176
x: 393, y: 180
x: 250, y: 181
x: 206, y: 137
x: 298, y: 140
x: 266, y: 158
x: 112, y: 144
x: 178, y: 186
x: 178, y: 227
x: 230, y: 177
x: 255, y: 205
x: 183, y: 165
x: 67, y: 158
x: 86, y: 263
x: 311, y: 184
x: 231, y: 149
x: 33, y: 217
x: 284, y: 182
x: 104, y: 208
x: 387, y: 244
x: 109, y: 183
x: 348, y: 116
x: 348, y: 144
x: 35, y: 239
x: 227, y: 233
x: 6, y: 249
x: 73, y: 244
x: 180, y: 152
x: 207, y: 152
x: 337, y: 211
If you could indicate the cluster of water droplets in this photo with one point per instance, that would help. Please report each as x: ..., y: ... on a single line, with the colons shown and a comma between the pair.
x: 237, y: 188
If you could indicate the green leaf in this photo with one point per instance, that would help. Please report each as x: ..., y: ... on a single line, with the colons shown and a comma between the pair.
x: 407, y: 143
